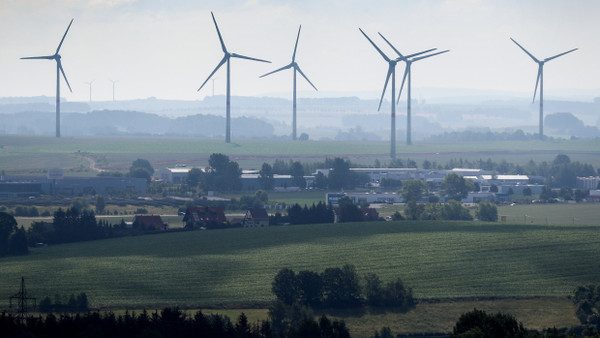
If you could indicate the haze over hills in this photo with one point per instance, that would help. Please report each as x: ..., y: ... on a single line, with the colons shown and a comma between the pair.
x: 320, y: 117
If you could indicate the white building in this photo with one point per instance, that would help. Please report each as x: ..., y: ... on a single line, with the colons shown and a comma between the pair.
x: 174, y: 175
x: 588, y: 183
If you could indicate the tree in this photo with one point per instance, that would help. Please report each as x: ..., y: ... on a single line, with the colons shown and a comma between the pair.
x: 100, y: 203
x: 339, y: 175
x: 262, y: 196
x: 413, y: 190
x: 454, y: 210
x: 17, y: 244
x: 142, y: 163
x: 413, y: 211
x: 527, y: 191
x: 456, y: 187
x: 265, y: 177
x: 566, y: 193
x: 561, y: 159
x: 431, y: 211
x: 310, y: 286
x: 321, y: 181
x: 285, y: 286
x: 547, y: 194
x: 8, y: 224
x: 80, y: 203
x: 297, y: 172
x: 580, y: 195
x: 140, y: 173
x: 487, y: 211
x: 194, y: 177
x: 373, y: 290
x: 478, y: 323
x: 217, y: 162
x: 223, y: 174
x: 493, y: 188
x: 341, y: 287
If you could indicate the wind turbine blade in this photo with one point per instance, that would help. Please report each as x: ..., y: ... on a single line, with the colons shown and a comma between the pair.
x: 387, y: 78
x: 223, y: 60
x: 537, y: 81
x: 219, y: 33
x: 64, y: 36
x: 374, y: 45
x: 277, y: 70
x: 248, y: 58
x: 531, y: 56
x: 49, y: 57
x: 296, y: 46
x: 430, y: 55
x: 63, y: 74
x: 561, y: 54
x: 306, y: 78
x: 419, y: 53
x: 402, y: 85
x: 402, y: 57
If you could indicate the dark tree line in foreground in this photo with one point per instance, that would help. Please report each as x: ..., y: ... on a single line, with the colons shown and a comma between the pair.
x: 168, y: 323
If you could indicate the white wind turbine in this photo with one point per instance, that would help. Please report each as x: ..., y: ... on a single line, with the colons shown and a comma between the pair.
x: 409, y: 59
x: 90, y: 84
x: 226, y: 57
x: 59, y: 69
x: 540, y: 81
x: 391, y: 73
x: 294, y: 65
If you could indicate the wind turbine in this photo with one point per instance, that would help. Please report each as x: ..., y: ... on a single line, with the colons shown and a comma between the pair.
x: 540, y: 81
x: 90, y: 84
x: 59, y: 69
x: 409, y: 59
x: 227, y: 55
x: 294, y: 65
x: 113, y: 87
x: 391, y: 72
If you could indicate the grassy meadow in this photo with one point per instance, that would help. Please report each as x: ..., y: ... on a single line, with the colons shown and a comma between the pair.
x: 225, y: 268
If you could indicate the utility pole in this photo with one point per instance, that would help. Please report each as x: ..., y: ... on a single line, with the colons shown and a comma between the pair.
x: 22, y: 299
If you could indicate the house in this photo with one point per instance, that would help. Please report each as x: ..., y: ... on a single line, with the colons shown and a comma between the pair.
x: 153, y: 222
x: 256, y: 218
x: 202, y: 216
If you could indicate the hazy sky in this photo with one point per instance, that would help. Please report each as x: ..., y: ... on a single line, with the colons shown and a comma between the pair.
x: 167, y: 48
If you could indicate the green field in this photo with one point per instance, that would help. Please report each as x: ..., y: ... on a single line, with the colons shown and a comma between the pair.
x: 34, y: 154
x: 235, y: 267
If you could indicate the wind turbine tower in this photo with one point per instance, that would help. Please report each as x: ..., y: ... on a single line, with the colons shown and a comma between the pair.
x: 540, y: 81
x: 294, y: 65
x: 409, y: 59
x: 90, y: 84
x: 59, y: 69
x: 226, y: 57
x: 113, y: 87
x: 391, y: 73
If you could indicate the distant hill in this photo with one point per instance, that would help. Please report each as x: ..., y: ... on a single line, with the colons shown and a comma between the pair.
x: 118, y: 122
x: 321, y: 118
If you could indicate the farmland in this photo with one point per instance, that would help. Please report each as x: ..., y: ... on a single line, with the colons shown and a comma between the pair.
x: 224, y: 268
x: 34, y: 154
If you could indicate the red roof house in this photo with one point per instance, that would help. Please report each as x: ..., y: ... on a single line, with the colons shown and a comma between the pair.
x: 201, y: 216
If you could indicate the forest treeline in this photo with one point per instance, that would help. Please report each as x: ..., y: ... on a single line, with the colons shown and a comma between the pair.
x: 169, y: 322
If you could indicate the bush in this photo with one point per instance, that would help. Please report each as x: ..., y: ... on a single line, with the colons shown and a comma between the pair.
x: 74, y: 303
x: 478, y: 323
x: 487, y: 212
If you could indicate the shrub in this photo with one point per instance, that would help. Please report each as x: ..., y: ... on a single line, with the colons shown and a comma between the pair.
x: 487, y: 211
